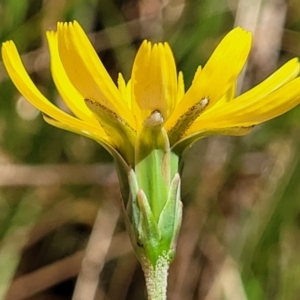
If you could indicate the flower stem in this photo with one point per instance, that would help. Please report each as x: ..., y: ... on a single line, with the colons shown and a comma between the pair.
x: 156, y: 278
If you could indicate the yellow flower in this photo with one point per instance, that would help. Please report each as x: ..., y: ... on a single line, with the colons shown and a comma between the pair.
x: 113, y: 115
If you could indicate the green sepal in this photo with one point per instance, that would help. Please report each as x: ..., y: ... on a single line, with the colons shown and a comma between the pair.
x: 154, y: 208
x: 133, y: 206
x: 152, y: 181
x: 148, y: 234
x: 154, y: 164
x: 152, y: 239
x: 171, y: 216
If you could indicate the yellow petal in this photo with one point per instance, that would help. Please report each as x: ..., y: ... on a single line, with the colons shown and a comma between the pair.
x: 23, y: 82
x: 189, y: 140
x: 279, y: 78
x: 169, y: 77
x: 197, y: 73
x: 218, y: 75
x: 154, y: 81
x: 125, y: 90
x: 180, y: 88
x: 73, y: 99
x: 86, y: 72
x: 286, y: 73
x: 248, y: 112
x: 79, y: 127
x: 229, y: 96
x: 27, y: 88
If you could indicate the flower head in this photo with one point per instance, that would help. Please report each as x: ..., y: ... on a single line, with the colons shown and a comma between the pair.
x: 114, y: 115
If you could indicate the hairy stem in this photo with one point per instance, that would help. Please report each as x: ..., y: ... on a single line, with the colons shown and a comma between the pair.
x: 156, y: 278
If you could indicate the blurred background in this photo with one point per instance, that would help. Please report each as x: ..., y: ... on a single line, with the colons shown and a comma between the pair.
x: 240, y: 237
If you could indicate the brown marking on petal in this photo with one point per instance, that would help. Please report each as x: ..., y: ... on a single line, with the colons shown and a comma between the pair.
x: 90, y: 103
x: 187, y: 119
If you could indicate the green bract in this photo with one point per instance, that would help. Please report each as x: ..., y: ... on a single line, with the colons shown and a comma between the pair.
x: 154, y: 203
